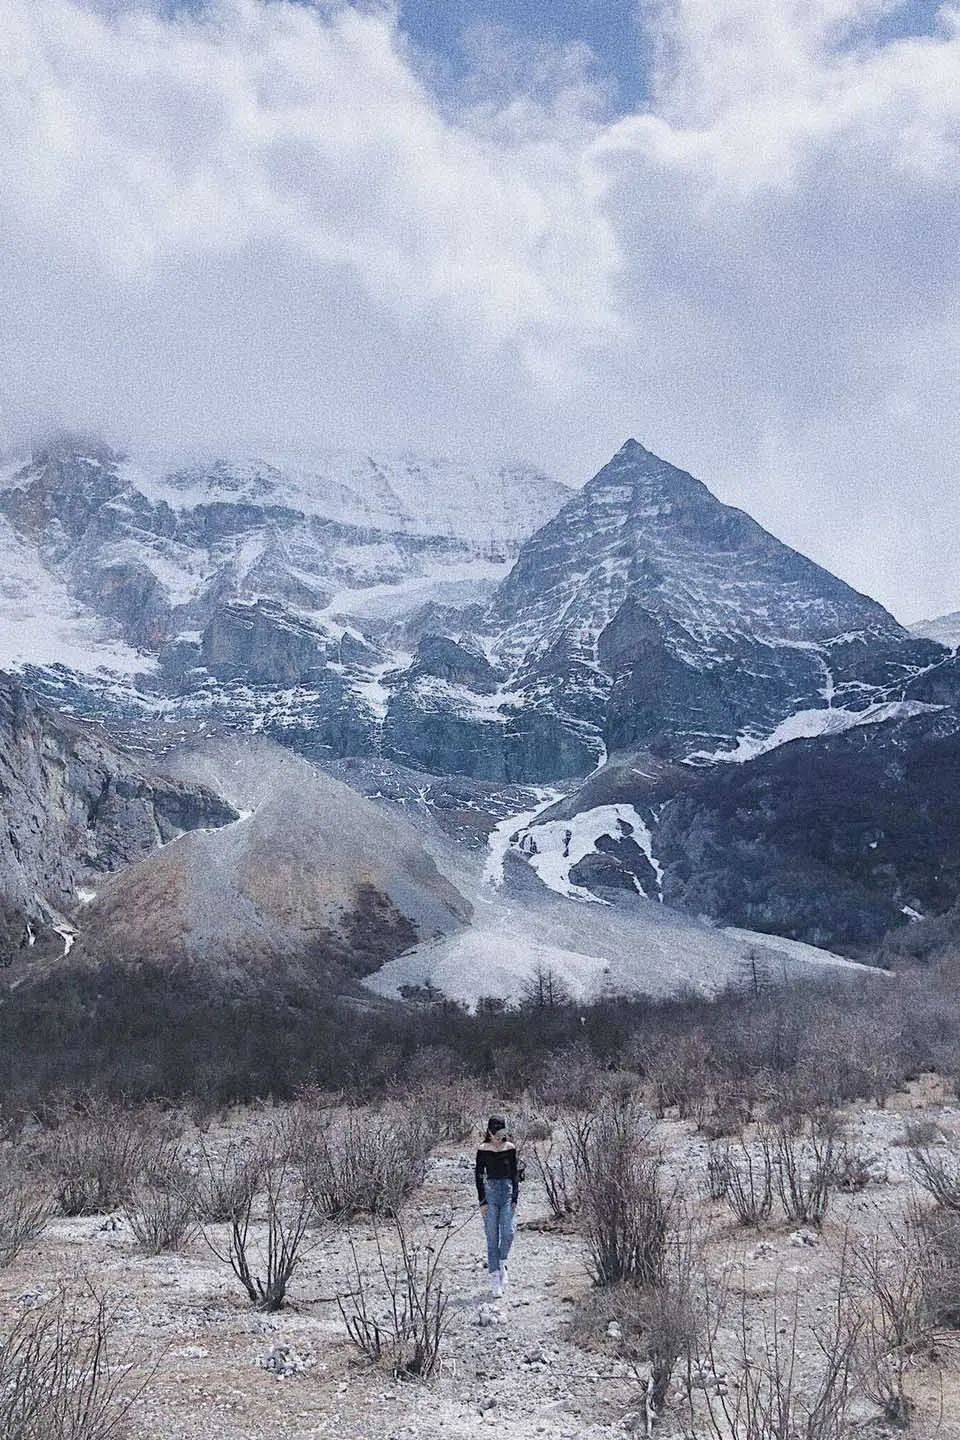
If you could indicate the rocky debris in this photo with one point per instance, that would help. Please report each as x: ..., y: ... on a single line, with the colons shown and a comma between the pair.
x: 283, y: 1361
x: 309, y: 877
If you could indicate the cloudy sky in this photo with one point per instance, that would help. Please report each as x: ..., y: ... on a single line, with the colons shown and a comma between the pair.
x: 517, y: 227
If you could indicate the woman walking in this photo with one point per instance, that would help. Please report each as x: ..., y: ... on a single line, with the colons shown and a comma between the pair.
x: 498, y: 1186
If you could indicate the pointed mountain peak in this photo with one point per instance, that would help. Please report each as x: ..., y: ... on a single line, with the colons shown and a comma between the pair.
x: 652, y: 479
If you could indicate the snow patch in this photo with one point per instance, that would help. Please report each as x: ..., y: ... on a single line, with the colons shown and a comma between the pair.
x: 506, y: 831
x: 41, y: 625
x: 809, y: 725
x: 556, y: 847
x: 478, y: 963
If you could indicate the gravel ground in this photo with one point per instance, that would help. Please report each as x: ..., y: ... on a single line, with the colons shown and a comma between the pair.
x: 510, y: 1365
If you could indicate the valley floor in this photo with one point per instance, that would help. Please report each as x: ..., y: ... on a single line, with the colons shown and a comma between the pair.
x: 520, y: 1366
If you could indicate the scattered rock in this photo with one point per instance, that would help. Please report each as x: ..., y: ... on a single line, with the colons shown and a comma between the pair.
x: 283, y: 1361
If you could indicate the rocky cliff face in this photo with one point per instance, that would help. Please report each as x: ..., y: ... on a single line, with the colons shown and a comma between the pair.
x: 76, y: 807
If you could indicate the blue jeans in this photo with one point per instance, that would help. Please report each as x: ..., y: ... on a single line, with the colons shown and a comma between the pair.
x: 498, y: 1221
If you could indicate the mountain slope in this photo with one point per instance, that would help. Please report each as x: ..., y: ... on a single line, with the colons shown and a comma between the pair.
x: 310, y: 878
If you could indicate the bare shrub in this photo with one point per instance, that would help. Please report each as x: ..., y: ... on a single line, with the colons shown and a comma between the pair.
x: 718, y: 1172
x: 625, y: 1217
x: 263, y: 1253
x: 939, y: 1175
x: 162, y: 1211
x: 562, y: 1170
x: 24, y: 1212
x: 557, y: 1175
x: 677, y: 1070
x: 728, y: 1110
x: 804, y: 1170
x: 406, y: 1332
x: 796, y: 1094
x: 892, y: 1273
x: 61, y: 1376
x: 771, y: 1397
x: 749, y: 1190
x: 227, y: 1181
x: 531, y: 1128
x: 660, y: 1323
x: 97, y: 1150
x: 853, y: 1168
x: 940, y: 1237
x: 919, y: 1133
x: 359, y: 1163
x: 446, y: 1109
x: 569, y: 1079
x: 882, y: 1368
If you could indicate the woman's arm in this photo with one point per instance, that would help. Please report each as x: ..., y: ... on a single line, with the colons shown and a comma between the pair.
x: 514, y: 1177
x: 478, y: 1170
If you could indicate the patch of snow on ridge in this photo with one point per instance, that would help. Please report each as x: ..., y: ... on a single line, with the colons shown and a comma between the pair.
x: 809, y: 725
x: 371, y: 687
x: 556, y: 847
x: 409, y: 494
x: 503, y: 833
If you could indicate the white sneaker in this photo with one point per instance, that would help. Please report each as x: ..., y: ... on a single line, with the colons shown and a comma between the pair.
x: 496, y: 1284
x: 504, y: 1277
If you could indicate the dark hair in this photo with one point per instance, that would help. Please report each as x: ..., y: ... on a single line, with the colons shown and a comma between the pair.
x: 496, y: 1122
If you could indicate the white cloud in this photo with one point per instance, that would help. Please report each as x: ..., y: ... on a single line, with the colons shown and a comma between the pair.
x: 263, y: 224
x: 238, y: 219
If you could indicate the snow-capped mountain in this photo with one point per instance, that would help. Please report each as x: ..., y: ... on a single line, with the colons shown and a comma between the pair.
x: 944, y: 629
x: 665, y: 619
x: 354, y: 606
x: 614, y: 684
x: 117, y: 558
